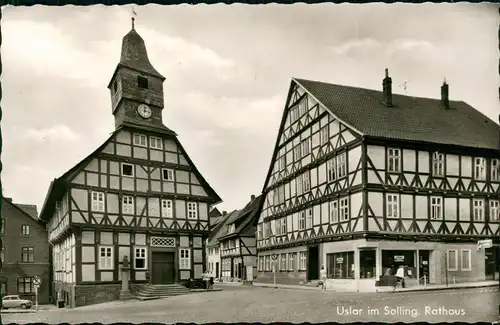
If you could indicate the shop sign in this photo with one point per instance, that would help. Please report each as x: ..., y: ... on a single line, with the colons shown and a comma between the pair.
x: 340, y: 260
x: 399, y: 258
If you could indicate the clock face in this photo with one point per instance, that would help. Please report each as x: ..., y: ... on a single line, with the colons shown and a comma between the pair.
x: 144, y: 111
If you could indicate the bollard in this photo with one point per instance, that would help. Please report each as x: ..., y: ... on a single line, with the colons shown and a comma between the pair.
x: 454, y: 280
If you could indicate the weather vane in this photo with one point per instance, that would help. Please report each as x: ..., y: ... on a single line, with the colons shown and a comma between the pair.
x: 404, y: 85
x: 133, y: 19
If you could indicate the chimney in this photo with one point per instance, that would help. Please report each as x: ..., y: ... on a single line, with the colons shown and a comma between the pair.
x: 445, y: 101
x: 252, y: 197
x: 224, y: 213
x: 387, y: 89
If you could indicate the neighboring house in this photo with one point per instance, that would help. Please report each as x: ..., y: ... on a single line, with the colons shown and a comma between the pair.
x: 25, y: 252
x: 362, y: 180
x: 138, y: 195
x: 238, y: 247
x: 214, y: 217
x: 213, y: 249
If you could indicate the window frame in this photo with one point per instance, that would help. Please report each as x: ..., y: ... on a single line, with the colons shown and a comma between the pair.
x: 145, y: 257
x: 455, y: 251
x: 478, y: 208
x: 291, y: 261
x: 24, y: 282
x: 331, y: 170
x: 302, y: 261
x: 96, y: 202
x: 25, y: 233
x: 494, y: 206
x: 137, y: 137
x: 107, y: 249
x: 438, y: 164
x: 166, y: 211
x: 334, y: 211
x: 324, y: 136
x: 192, y: 213
x: 479, y: 168
x: 341, y: 163
x: 468, y: 251
x: 30, y: 252
x: 436, y: 206
x: 142, y: 82
x: 184, y: 261
x: 392, y: 205
x: 306, y: 147
x: 306, y: 182
x: 283, y: 226
x: 155, y: 140
x: 344, y: 209
x: 168, y: 170
x: 128, y: 207
x: 277, y: 227
x: 394, y: 157
x: 123, y: 164
x: 283, y: 262
x: 495, y: 170
x: 302, y: 220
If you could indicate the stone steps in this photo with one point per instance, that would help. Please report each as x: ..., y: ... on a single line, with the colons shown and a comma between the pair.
x: 160, y: 291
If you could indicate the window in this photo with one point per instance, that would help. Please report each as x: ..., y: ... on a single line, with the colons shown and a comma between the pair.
x: 166, y: 208
x: 334, y: 212
x: 323, y: 135
x: 306, y: 147
x: 300, y: 184
x: 291, y: 261
x: 392, y: 206
x: 339, y: 265
x: 302, y: 263
x: 480, y: 168
x: 28, y: 255
x: 306, y: 181
x: 283, y: 226
x: 341, y: 165
x: 283, y: 262
x: 98, y: 201
x: 367, y: 264
x: 302, y: 107
x: 127, y: 170
x: 58, y: 210
x: 309, y: 218
x: 268, y: 262
x: 344, y: 209
x: 25, y: 230
x: 452, y: 260
x: 105, y: 257
x: 478, y: 210
x: 494, y: 210
x: 436, y: 208
x: 267, y: 230
x: 437, y: 164
x: 185, y: 260
x: 128, y: 204
x: 282, y: 162
x: 155, y: 143
x: 142, y: 82
x: 168, y: 175
x: 260, y: 231
x: 465, y: 259
x: 394, y: 160
x: 495, y: 170
x: 331, y: 167
x: 261, y: 263
x: 25, y: 285
x: 297, y: 153
x: 140, y: 140
x: 192, y: 210
x: 302, y: 220
x: 277, y: 226
x: 294, y: 112
x: 140, y: 258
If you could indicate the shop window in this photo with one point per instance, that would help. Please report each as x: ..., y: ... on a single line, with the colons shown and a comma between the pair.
x: 367, y: 262
x: 340, y: 265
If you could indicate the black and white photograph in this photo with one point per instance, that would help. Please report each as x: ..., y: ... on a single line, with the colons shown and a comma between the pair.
x: 250, y: 163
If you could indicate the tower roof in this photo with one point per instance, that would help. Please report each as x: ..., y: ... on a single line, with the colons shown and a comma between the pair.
x: 135, y: 56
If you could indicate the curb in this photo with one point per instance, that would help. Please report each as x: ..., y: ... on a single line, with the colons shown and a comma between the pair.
x: 440, y: 289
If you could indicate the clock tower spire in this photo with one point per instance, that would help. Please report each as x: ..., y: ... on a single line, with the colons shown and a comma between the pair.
x: 136, y: 86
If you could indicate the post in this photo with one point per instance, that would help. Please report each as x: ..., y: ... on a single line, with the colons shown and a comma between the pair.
x: 454, y: 280
x: 425, y: 281
x: 125, y: 290
x: 36, y: 297
x: 274, y: 274
x: 446, y: 266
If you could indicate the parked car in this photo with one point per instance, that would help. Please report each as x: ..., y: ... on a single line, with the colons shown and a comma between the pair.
x: 14, y: 301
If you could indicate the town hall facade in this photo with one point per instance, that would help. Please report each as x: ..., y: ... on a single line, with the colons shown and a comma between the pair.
x: 138, y: 195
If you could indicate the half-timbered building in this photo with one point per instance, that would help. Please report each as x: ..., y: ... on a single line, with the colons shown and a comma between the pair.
x: 238, y: 247
x: 213, y: 246
x: 25, y: 252
x: 138, y: 195
x: 362, y: 181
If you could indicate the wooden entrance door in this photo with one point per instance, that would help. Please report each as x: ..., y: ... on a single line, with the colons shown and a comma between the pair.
x: 163, y: 271
x: 313, y: 263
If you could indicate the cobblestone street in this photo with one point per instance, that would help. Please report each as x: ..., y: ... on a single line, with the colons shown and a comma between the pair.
x: 253, y: 304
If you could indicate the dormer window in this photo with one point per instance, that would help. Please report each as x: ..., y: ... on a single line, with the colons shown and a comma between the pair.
x: 231, y: 228
x: 438, y: 164
x: 142, y: 82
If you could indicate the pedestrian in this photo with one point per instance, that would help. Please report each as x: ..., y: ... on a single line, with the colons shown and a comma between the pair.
x: 206, y: 279
x: 322, y: 275
x: 400, y: 275
x: 211, y: 277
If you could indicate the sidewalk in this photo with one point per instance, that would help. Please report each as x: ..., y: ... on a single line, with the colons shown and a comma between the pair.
x: 31, y: 310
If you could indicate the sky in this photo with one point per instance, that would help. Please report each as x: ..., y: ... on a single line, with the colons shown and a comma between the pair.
x: 228, y: 71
